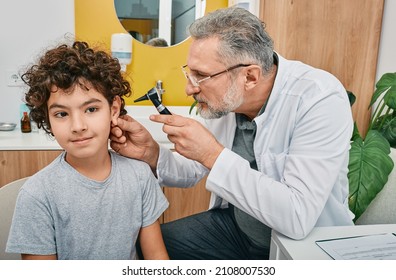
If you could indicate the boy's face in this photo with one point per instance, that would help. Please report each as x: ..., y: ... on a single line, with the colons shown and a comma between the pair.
x: 80, y: 121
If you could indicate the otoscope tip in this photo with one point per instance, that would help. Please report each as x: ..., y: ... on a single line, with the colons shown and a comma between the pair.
x: 144, y: 97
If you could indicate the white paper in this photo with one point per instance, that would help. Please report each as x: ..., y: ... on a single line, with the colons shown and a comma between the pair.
x: 369, y: 247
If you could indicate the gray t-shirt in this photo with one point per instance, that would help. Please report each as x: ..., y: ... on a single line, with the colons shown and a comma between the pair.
x: 59, y: 211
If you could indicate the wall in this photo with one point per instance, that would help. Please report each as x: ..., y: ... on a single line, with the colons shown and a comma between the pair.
x: 339, y: 36
x: 96, y: 20
x: 387, y: 53
x: 26, y: 31
x: 26, y: 28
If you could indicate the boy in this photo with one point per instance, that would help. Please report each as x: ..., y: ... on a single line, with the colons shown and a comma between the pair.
x: 89, y: 203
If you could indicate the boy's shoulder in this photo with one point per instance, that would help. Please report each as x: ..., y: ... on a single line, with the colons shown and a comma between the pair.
x: 49, y: 173
x: 129, y: 167
x: 125, y: 161
x: 39, y: 184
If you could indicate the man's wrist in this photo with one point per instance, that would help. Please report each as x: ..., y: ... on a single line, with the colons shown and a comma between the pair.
x: 210, y: 160
x: 153, y: 157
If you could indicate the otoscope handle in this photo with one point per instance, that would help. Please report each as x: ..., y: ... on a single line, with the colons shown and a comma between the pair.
x: 160, y: 107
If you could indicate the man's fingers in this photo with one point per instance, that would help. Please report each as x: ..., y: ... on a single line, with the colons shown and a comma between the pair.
x: 126, y: 117
x: 173, y: 120
x: 128, y: 125
x: 118, y: 139
x: 116, y: 131
x: 117, y: 146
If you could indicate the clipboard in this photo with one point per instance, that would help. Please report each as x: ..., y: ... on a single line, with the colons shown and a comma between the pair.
x: 364, y: 247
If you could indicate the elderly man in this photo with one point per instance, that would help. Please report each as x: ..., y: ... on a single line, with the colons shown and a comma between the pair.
x: 275, y: 143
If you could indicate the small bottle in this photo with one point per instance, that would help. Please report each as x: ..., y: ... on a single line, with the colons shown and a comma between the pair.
x: 25, y: 123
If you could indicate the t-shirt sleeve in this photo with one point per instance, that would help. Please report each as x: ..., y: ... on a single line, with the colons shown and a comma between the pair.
x: 32, y: 229
x: 154, y: 201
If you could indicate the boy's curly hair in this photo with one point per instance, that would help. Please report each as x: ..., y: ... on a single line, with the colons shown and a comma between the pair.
x: 65, y: 67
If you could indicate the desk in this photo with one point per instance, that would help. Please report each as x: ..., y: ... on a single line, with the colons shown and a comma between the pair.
x: 284, y: 248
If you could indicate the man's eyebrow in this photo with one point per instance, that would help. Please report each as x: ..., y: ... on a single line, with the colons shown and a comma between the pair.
x: 202, y: 72
x: 88, y: 102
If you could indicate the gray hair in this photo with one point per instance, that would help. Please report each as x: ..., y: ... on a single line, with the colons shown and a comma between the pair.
x: 242, y: 36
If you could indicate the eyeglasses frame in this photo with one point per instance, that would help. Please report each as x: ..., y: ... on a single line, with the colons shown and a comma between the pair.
x: 196, y: 83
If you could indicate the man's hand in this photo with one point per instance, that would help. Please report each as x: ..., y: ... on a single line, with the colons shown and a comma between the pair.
x: 191, y: 138
x: 131, y: 139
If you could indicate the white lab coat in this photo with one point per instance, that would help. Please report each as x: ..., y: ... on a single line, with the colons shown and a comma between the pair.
x: 301, y: 149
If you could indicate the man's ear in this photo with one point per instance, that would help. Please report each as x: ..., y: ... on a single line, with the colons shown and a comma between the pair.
x: 115, y: 108
x: 252, y: 77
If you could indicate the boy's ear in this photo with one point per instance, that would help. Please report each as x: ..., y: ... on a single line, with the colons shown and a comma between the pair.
x: 115, y: 108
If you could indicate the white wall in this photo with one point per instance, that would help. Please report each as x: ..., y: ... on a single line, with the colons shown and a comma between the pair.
x: 27, y: 27
x: 387, y: 49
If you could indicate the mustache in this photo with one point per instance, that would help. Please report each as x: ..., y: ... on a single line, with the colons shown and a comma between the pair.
x: 199, y: 99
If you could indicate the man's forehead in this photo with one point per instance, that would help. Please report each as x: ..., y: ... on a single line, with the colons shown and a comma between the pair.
x: 203, y: 54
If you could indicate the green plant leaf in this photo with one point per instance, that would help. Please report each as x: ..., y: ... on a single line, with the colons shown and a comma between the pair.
x: 369, y: 168
x: 192, y: 107
x: 351, y: 97
x: 386, y: 125
x: 387, y: 84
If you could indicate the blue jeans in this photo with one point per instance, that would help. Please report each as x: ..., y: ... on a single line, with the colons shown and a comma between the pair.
x: 210, y: 235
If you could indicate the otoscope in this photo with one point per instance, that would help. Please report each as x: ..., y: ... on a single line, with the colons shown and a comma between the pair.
x: 153, y: 95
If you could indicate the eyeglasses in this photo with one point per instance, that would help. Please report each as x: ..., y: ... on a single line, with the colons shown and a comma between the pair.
x: 196, y: 80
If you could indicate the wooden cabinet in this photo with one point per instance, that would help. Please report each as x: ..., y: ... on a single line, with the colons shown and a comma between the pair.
x: 186, y: 201
x: 183, y: 202
x: 18, y: 164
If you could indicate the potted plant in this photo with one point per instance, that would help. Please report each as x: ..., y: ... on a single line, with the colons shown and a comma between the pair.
x: 369, y: 160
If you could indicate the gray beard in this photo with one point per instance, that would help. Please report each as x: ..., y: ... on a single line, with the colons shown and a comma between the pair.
x: 231, y: 101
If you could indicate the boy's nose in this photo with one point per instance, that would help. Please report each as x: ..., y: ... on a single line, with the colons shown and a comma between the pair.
x: 78, y: 124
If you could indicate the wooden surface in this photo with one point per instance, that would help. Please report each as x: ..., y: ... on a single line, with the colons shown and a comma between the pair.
x: 339, y: 36
x: 18, y: 164
x: 186, y: 201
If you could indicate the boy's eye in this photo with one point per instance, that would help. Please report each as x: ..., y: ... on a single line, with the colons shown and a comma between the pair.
x: 91, y: 109
x: 60, y: 114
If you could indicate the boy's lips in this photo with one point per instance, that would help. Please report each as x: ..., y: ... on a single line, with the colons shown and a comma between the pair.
x: 81, y: 140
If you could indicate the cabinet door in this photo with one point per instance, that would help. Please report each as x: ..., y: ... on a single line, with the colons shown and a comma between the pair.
x: 186, y: 201
x: 18, y: 164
